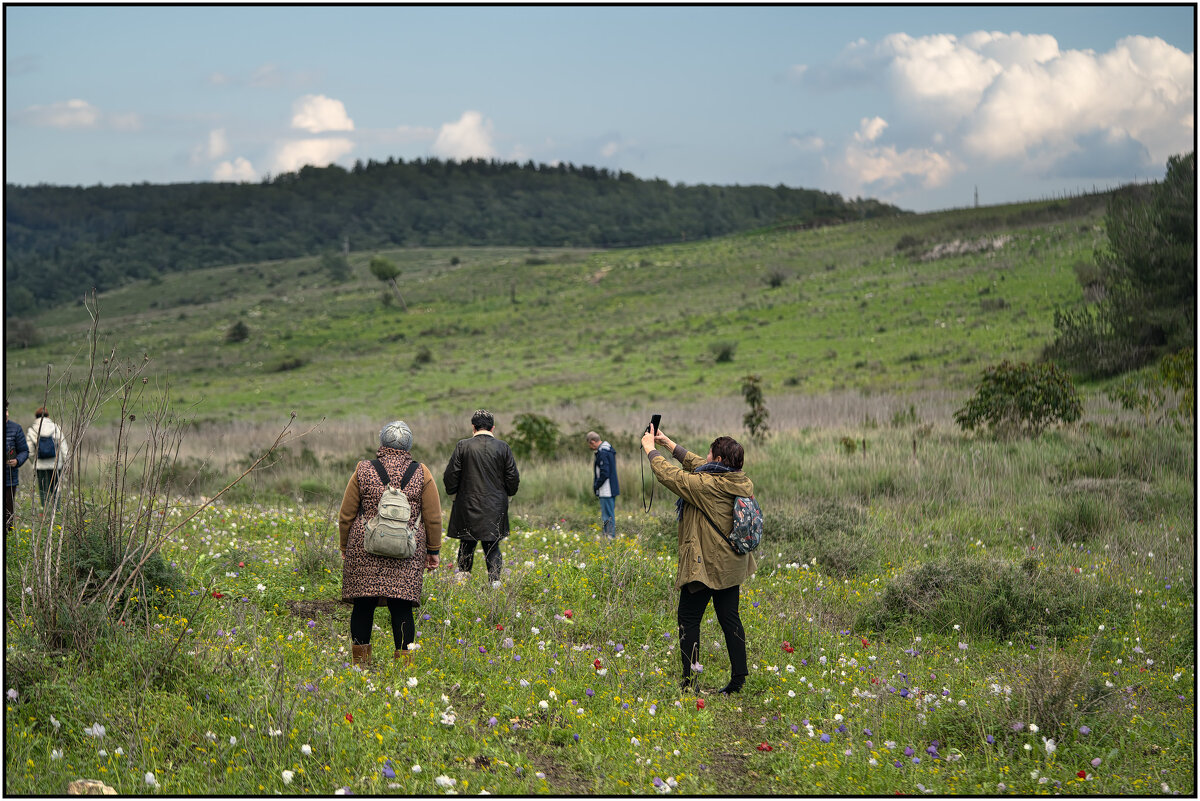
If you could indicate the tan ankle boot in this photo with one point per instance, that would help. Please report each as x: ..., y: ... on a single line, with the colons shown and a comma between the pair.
x: 361, y: 654
x: 404, y: 656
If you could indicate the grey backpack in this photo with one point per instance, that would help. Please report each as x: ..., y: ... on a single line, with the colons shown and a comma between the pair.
x: 392, y: 532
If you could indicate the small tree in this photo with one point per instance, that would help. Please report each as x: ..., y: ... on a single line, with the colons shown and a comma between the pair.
x: 1021, y: 397
x: 756, y: 418
x: 336, y: 267
x: 387, y: 272
x: 534, y: 433
x: 238, y: 332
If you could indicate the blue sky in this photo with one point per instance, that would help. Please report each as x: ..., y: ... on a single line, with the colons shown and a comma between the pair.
x: 913, y: 105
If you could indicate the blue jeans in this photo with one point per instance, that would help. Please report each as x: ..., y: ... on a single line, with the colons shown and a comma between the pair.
x: 608, y: 516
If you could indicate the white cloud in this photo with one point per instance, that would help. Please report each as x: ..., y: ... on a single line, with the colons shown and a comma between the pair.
x: 470, y: 137
x: 78, y: 114
x: 218, y: 145
x: 609, y: 150
x: 870, y: 129
x: 1143, y: 89
x: 809, y: 143
x: 237, y: 171
x: 291, y: 156
x: 318, y: 114
x: 67, y: 114
x: 1018, y: 97
x: 886, y: 167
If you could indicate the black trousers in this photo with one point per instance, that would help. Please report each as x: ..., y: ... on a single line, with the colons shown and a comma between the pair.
x: 404, y: 631
x: 691, y: 612
x: 491, y: 554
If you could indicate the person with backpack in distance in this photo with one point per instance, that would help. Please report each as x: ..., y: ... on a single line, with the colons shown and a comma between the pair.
x: 481, y: 475
x: 390, y: 532
x: 604, y: 482
x: 45, y: 439
x: 16, y: 453
x: 711, y: 568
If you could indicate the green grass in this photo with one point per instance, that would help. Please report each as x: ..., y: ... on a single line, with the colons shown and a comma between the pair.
x: 525, y: 329
x: 937, y: 633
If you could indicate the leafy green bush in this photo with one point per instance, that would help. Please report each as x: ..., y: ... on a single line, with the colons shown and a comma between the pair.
x: 985, y: 597
x: 534, y: 433
x: 1166, y: 393
x: 1021, y: 397
x: 723, y: 351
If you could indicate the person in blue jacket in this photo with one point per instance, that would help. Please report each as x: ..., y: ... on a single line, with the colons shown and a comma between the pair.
x: 16, y: 452
x: 604, y: 482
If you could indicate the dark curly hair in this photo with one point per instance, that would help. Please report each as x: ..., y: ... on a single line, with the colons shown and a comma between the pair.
x: 729, y: 452
x: 483, y: 420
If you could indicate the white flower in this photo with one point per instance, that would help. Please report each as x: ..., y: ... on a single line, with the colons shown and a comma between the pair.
x: 602, y: 672
x: 56, y: 754
x: 838, y: 717
x: 233, y: 741
x: 306, y: 749
x: 791, y: 693
x: 1101, y: 628
x: 95, y: 730
x: 415, y: 768
x: 287, y: 776
x: 150, y: 780
x: 412, y: 681
x: 56, y: 723
x: 1050, y: 746
x: 444, y: 781
x: 274, y: 732
x: 120, y: 751
x: 535, y: 629
x: 262, y: 588
x: 543, y: 705
x: 635, y: 742
x: 102, y: 752
x: 210, y: 736
x: 1028, y: 747
x: 1033, y: 727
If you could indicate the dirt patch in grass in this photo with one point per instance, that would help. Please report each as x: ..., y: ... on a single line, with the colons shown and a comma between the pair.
x: 731, y: 768
x: 564, y: 779
x: 311, y: 610
x: 1109, y: 485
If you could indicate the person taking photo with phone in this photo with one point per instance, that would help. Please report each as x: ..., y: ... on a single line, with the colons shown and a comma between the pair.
x: 709, y: 569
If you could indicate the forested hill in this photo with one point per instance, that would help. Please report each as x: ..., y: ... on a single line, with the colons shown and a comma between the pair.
x: 60, y: 240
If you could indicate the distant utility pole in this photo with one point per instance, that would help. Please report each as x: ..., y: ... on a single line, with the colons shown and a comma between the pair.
x: 976, y: 195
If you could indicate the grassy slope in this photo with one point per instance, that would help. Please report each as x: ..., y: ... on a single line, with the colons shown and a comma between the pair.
x: 853, y: 312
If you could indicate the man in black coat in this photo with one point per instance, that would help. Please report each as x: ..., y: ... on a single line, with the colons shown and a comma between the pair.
x: 481, y: 475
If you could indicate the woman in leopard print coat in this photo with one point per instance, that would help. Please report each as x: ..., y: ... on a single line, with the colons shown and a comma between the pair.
x: 368, y: 580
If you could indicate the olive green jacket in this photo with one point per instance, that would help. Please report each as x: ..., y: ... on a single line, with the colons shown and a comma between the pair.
x: 704, y: 555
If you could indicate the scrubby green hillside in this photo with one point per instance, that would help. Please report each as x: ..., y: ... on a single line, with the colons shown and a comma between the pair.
x: 887, y: 305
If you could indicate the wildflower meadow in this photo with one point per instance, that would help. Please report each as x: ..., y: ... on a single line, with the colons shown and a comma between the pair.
x: 880, y: 663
